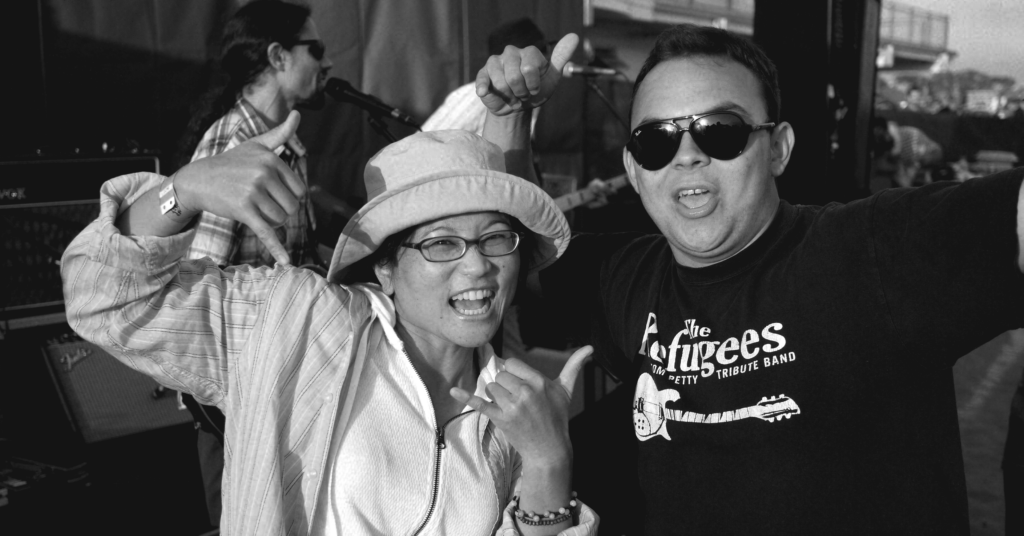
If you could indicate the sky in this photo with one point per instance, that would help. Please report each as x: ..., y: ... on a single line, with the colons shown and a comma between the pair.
x: 987, y: 35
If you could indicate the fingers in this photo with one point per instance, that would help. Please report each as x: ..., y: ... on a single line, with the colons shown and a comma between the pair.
x: 497, y: 93
x: 274, y: 139
x: 532, y: 67
x: 267, y: 235
x: 572, y: 368
x: 280, y: 134
x: 518, y: 77
x: 598, y: 186
x: 271, y: 212
x: 512, y: 72
x: 282, y: 197
x: 499, y: 393
x: 563, y: 51
x: 523, y: 371
x: 290, y: 179
x: 490, y: 409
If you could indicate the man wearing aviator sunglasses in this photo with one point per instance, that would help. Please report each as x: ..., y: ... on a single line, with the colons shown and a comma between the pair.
x: 720, y: 135
x: 800, y: 355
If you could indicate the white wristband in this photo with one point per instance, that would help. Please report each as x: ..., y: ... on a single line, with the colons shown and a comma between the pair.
x: 171, y: 203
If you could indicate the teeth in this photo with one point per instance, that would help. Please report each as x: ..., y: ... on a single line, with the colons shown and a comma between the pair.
x: 694, y: 191
x: 474, y: 295
x: 472, y: 312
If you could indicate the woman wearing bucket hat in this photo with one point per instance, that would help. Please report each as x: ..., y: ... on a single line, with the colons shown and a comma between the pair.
x: 351, y: 407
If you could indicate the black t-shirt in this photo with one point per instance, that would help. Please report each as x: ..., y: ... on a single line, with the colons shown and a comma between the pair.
x: 804, y: 385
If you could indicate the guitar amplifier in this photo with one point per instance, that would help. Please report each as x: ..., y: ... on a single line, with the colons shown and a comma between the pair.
x: 44, y: 204
x: 104, y: 398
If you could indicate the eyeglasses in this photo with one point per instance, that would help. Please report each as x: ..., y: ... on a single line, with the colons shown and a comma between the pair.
x: 720, y: 135
x: 450, y: 248
x: 316, y: 48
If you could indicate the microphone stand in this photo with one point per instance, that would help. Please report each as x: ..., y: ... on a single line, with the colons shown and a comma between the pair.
x: 611, y: 107
x: 380, y: 127
x: 592, y: 86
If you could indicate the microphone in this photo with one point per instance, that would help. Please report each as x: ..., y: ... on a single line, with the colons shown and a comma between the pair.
x: 575, y: 69
x: 341, y: 90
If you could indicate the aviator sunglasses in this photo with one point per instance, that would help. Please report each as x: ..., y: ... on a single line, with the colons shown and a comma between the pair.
x: 316, y: 48
x: 720, y: 135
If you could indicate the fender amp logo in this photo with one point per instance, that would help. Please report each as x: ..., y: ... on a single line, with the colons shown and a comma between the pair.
x: 13, y: 194
x: 69, y: 360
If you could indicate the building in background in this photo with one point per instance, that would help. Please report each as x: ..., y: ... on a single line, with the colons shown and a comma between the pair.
x: 911, y: 38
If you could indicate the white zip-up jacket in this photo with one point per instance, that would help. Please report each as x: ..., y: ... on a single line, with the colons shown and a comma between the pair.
x: 324, y: 419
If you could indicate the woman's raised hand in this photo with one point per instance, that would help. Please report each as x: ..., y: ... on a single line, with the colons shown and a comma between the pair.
x: 532, y: 410
x: 522, y: 78
x: 248, y: 184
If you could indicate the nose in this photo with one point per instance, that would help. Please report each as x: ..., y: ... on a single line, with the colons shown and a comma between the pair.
x: 689, y: 156
x: 474, y: 262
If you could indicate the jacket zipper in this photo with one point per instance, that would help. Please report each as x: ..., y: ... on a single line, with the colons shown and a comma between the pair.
x: 437, y: 470
x: 438, y: 447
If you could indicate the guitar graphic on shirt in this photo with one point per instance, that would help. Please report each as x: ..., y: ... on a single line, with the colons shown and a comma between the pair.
x: 650, y: 413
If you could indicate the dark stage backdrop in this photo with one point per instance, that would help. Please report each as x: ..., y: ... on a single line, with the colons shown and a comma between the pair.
x: 126, y: 73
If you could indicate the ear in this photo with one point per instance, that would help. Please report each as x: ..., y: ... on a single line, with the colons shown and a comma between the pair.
x: 630, y: 165
x: 384, y: 275
x: 782, y: 139
x: 276, y: 56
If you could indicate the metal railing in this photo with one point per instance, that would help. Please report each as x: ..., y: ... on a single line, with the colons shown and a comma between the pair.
x: 913, y: 26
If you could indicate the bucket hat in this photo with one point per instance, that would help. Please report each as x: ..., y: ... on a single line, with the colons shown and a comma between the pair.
x: 432, y: 175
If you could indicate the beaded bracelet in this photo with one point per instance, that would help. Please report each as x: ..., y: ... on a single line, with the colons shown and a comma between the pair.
x: 536, y: 519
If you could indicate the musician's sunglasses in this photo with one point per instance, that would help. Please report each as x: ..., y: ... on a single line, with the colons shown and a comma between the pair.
x: 316, y: 48
x: 720, y: 135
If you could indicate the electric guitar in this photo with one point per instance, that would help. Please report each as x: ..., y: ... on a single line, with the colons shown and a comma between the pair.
x: 650, y: 413
x: 572, y: 200
x: 768, y: 409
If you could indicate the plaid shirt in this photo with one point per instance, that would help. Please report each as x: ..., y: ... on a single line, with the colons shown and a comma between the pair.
x: 228, y: 242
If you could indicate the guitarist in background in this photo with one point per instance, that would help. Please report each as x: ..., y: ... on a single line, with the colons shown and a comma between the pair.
x: 275, y: 60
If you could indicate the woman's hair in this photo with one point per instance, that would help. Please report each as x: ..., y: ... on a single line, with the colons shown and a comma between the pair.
x: 363, y: 270
x: 247, y: 35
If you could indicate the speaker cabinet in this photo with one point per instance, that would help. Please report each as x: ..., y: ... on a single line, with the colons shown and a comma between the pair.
x: 104, y: 398
x: 44, y: 204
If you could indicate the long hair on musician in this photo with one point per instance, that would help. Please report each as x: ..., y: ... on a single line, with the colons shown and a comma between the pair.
x: 247, y: 35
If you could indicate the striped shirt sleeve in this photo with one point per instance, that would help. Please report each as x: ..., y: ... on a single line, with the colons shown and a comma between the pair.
x: 183, y: 323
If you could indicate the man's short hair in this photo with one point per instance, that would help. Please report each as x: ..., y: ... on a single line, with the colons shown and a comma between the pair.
x: 689, y: 40
x: 519, y: 33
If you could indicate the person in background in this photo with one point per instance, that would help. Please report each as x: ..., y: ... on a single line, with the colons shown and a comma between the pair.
x: 275, y: 60
x: 915, y: 155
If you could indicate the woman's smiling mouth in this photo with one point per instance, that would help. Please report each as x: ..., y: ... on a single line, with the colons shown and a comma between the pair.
x: 472, y: 302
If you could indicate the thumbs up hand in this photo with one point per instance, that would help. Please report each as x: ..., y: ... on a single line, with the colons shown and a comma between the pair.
x: 521, y: 79
x: 248, y: 184
x: 532, y: 410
